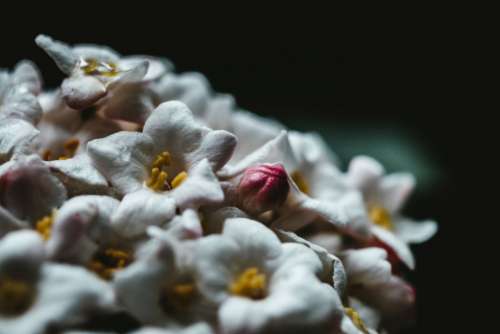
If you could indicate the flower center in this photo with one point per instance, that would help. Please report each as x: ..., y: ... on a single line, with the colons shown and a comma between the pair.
x: 356, y: 319
x: 177, y: 297
x: 70, y: 146
x: 301, y: 182
x: 44, y: 225
x: 106, y: 262
x: 15, y: 296
x: 92, y: 66
x: 158, y: 177
x: 381, y: 217
x: 250, y: 283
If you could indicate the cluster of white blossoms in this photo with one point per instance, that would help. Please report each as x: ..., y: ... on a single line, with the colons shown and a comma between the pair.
x: 137, y: 191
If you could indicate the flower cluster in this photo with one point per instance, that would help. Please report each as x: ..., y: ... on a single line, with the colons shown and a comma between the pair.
x: 135, y: 199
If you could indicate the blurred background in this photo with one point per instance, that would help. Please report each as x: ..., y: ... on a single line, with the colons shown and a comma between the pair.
x: 384, y: 88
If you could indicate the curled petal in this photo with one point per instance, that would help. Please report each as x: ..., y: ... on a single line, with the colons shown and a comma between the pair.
x: 81, y: 91
x: 61, y: 53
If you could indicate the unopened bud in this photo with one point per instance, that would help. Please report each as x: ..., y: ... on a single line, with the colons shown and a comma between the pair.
x: 262, y: 188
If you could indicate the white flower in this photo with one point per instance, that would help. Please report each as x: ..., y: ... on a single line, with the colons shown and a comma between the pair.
x: 94, y: 70
x: 191, y: 88
x: 371, y: 281
x: 28, y: 189
x: 19, y: 111
x: 318, y: 188
x: 384, y: 197
x: 35, y: 295
x: 252, y: 130
x: 264, y: 286
x: 169, y: 165
x: 159, y: 287
x: 18, y: 97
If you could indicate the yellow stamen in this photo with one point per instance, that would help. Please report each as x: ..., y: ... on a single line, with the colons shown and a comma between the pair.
x: 44, y: 225
x: 183, y: 290
x: 251, y: 283
x: 178, y: 179
x: 106, y: 263
x: 356, y: 319
x: 70, y: 147
x: 158, y: 177
x: 381, y: 217
x: 92, y: 66
x: 15, y: 296
x: 47, y: 155
x: 301, y: 182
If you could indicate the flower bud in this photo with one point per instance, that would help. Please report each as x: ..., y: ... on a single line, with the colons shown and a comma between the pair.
x: 262, y: 188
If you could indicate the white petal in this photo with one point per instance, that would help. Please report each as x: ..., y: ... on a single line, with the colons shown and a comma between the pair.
x: 141, y: 209
x: 79, y: 175
x: 173, y: 129
x: 393, y: 298
x: 82, y: 91
x: 398, y: 246
x: 201, y: 187
x: 395, y: 190
x: 364, y: 173
x: 20, y: 103
x: 367, y: 266
x: 217, y: 147
x: 277, y: 150
x: 191, y: 88
x: 81, y: 224
x: 61, y: 53
x: 29, y: 190
x: 414, y: 232
x: 23, y: 252
x: 17, y: 137
x: 332, y: 268
x: 26, y: 74
x: 215, y: 259
x: 157, y: 67
x: 252, y: 130
x: 123, y: 158
x: 132, y: 102
x: 300, y: 209
x: 138, y: 286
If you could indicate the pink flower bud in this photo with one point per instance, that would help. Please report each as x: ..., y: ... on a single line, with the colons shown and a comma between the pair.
x: 262, y: 188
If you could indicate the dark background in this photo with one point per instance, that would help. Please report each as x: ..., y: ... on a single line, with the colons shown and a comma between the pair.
x: 392, y: 88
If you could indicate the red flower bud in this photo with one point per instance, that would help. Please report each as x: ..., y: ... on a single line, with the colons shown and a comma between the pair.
x: 262, y: 188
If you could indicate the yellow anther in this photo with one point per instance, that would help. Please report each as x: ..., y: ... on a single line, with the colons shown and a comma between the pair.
x: 106, y: 263
x: 381, y: 217
x: 15, y: 296
x: 158, y: 176
x: 162, y: 159
x: 183, y: 290
x: 251, y: 283
x: 178, y: 179
x: 356, y: 319
x: 301, y: 182
x: 47, y: 155
x: 92, y: 66
x: 44, y: 225
x: 70, y: 147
